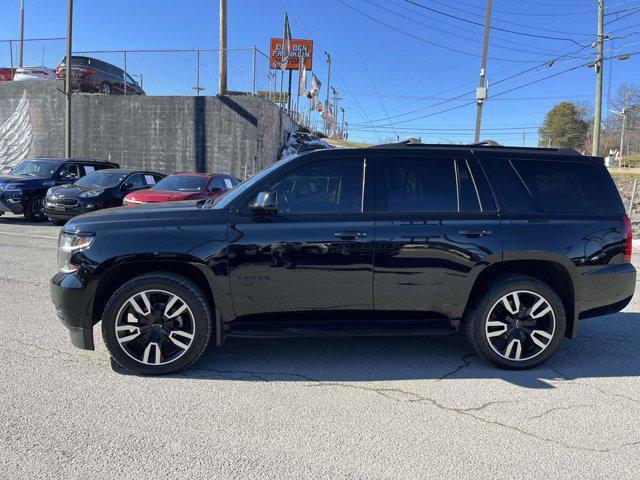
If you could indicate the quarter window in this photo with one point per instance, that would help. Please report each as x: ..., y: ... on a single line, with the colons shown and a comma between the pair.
x: 329, y: 186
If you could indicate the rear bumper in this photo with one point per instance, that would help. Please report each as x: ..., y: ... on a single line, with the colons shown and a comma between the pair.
x: 73, y: 301
x: 607, y: 290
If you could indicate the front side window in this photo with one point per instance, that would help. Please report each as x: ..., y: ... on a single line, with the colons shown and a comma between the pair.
x: 70, y: 171
x: 328, y: 186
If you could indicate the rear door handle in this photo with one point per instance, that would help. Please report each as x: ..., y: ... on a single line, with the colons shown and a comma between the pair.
x: 475, y: 233
x: 350, y: 235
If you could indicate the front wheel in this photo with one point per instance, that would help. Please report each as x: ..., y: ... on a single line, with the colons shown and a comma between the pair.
x: 34, y: 209
x: 517, y: 323
x: 157, y: 323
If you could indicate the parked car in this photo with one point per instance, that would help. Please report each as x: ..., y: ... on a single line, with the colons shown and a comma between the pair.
x: 23, y: 189
x: 98, y: 190
x: 6, y: 74
x: 514, y: 246
x: 90, y: 75
x: 33, y: 73
x: 183, y: 186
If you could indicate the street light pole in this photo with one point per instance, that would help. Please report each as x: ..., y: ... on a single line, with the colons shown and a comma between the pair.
x: 21, y: 33
x: 595, y: 150
x: 481, y: 94
x: 67, y: 85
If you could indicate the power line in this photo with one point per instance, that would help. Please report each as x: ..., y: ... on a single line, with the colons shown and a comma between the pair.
x: 529, y: 14
x: 462, y: 52
x: 515, y: 32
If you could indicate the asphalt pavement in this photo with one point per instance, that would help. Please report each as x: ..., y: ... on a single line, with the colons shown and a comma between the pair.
x: 305, y: 408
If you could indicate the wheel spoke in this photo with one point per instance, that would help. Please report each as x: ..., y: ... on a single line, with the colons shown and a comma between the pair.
x: 135, y: 332
x: 179, y: 342
x: 535, y: 311
x: 147, y: 356
x: 539, y: 341
x: 136, y: 306
x: 515, y: 343
x: 503, y: 327
x: 515, y: 308
x: 180, y: 310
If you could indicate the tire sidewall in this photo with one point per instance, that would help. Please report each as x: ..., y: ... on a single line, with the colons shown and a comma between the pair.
x: 183, y: 289
x: 28, y: 209
x: 486, y: 303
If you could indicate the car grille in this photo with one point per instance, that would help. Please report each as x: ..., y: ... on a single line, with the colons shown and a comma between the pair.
x: 67, y: 202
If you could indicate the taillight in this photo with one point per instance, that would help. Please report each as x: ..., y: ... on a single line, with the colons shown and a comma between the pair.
x: 628, y: 235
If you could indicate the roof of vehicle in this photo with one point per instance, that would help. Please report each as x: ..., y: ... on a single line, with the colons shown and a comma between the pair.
x: 195, y: 174
x: 86, y: 160
x: 487, y: 145
x: 128, y: 171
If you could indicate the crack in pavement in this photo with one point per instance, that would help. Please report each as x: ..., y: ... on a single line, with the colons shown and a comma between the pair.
x: 466, y: 362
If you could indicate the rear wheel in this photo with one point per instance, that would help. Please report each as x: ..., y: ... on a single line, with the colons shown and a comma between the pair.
x: 518, y: 323
x: 157, y: 323
x: 34, y: 209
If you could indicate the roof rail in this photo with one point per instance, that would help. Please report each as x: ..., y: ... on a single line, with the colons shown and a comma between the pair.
x: 485, y: 144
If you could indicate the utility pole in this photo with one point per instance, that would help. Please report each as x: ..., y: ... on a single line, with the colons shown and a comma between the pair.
x: 524, y: 136
x: 481, y: 92
x: 595, y: 150
x: 222, y: 80
x: 326, y: 103
x: 342, y: 125
x: 623, y: 114
x: 21, y: 57
x: 67, y: 85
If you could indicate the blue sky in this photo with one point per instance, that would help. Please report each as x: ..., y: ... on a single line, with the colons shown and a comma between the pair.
x: 380, y: 70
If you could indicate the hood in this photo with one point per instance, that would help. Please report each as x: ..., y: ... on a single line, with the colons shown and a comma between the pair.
x: 73, y: 191
x: 21, y: 180
x: 166, y: 215
x: 163, y: 196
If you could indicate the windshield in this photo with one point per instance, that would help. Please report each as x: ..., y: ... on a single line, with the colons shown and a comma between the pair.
x: 102, y: 179
x: 181, y: 183
x: 222, y: 201
x: 37, y: 168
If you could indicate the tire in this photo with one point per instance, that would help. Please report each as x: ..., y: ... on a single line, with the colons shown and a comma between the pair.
x: 105, y: 88
x: 151, y: 351
x: 510, y: 326
x: 34, y: 209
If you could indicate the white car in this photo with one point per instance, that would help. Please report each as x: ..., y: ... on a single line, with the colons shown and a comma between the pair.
x: 34, y: 73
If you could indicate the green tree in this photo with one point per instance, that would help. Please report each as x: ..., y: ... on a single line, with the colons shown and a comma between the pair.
x: 564, y: 126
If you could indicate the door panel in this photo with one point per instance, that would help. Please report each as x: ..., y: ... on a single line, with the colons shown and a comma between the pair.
x: 426, y: 261
x: 315, y: 255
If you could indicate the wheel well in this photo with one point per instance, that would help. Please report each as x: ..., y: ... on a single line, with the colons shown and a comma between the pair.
x: 552, y: 273
x: 118, y: 276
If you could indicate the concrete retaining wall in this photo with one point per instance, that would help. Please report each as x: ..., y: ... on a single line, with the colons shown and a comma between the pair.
x: 167, y: 134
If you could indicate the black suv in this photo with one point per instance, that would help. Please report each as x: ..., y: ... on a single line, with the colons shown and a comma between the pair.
x: 97, y: 190
x: 23, y: 189
x: 511, y: 245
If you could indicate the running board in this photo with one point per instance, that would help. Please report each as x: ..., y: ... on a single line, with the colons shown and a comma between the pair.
x: 341, y: 329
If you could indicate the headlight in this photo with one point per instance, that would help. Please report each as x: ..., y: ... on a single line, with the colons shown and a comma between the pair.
x: 13, y: 187
x: 91, y: 193
x: 68, y: 245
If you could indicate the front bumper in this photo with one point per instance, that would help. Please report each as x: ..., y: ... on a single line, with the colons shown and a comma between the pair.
x: 11, y: 204
x: 65, y: 212
x: 73, y: 301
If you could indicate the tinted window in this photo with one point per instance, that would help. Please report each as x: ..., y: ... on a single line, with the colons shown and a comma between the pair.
x: 70, y: 171
x: 217, y: 183
x: 467, y: 190
x: 421, y: 185
x: 328, y: 186
x: 138, y: 180
x: 103, y: 178
x: 568, y: 187
x: 36, y: 168
x: 181, y: 183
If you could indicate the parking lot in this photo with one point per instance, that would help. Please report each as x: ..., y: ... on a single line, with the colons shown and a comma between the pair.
x: 305, y: 408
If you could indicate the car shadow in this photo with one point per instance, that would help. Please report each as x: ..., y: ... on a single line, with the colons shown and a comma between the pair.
x: 606, y: 347
x: 19, y: 220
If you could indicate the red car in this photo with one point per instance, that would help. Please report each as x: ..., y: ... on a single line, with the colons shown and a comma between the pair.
x: 183, y: 186
x: 6, y: 74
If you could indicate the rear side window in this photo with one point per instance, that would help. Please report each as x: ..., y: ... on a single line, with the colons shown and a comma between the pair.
x: 568, y: 187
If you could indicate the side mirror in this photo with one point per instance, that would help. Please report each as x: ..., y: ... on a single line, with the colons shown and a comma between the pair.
x: 266, y: 203
x: 127, y: 186
x: 214, y: 191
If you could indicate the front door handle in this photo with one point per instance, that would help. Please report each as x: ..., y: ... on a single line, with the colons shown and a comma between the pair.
x: 475, y: 233
x: 350, y: 235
